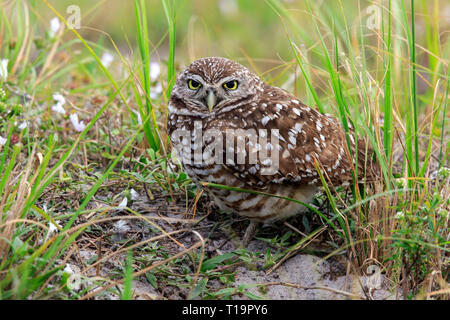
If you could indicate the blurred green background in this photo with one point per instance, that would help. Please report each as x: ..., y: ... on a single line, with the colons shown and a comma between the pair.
x: 231, y: 28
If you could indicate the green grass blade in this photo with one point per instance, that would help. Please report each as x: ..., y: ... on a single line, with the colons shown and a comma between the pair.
x: 387, y: 137
x: 127, y: 293
x: 151, y: 132
x: 170, y: 12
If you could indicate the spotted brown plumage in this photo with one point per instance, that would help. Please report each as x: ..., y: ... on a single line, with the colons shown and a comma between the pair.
x: 204, y: 100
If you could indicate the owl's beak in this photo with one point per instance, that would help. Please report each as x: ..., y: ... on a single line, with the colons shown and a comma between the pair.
x: 211, y: 100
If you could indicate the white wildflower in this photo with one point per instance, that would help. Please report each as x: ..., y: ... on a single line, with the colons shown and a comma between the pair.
x: 55, y: 25
x: 78, y: 125
x: 399, y: 215
x: 60, y: 101
x: 121, y: 226
x: 59, y: 98
x: 134, y: 195
x: 52, y: 227
x: 68, y: 269
x: 155, y: 70
x: 23, y: 125
x: 4, y: 69
x: 107, y: 59
x: 58, y: 108
x: 124, y: 203
x: 74, y: 279
x: 2, y: 141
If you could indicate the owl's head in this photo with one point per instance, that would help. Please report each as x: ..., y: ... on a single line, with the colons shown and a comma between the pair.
x: 214, y: 84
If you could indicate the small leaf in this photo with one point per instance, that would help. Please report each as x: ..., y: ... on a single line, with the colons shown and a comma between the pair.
x: 151, y: 279
x: 253, y: 296
x: 306, y: 224
x: 199, y: 288
x: 214, y: 262
x: 225, y: 292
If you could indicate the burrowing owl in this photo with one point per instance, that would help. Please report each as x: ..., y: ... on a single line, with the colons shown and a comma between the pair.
x: 280, y: 139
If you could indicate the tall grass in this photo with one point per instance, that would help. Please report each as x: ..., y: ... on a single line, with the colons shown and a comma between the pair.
x: 151, y: 131
x: 28, y: 265
x: 386, y: 228
x: 388, y: 132
x: 367, y: 77
x: 170, y: 12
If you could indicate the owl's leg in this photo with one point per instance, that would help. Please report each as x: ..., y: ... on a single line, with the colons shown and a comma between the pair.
x: 250, y: 232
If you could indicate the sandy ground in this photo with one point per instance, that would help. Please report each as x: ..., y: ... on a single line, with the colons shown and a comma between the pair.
x: 301, y: 277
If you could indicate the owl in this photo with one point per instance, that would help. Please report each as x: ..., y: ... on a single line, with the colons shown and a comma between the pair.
x: 229, y: 127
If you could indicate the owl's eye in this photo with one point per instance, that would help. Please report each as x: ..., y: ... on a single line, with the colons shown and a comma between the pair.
x: 231, y: 85
x: 194, y: 85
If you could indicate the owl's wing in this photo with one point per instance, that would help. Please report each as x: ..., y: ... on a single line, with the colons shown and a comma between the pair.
x: 304, y: 136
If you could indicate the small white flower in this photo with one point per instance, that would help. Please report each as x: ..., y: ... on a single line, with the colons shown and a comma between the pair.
x: 58, y: 108
x: 124, y: 203
x: 60, y: 101
x: 78, y: 125
x: 74, y: 279
x: 52, y: 228
x: 23, y: 125
x: 399, y: 215
x: 2, y: 141
x: 4, y: 69
x: 121, y: 226
x: 134, y: 195
x: 68, y: 269
x: 107, y: 59
x: 59, y: 98
x: 55, y: 24
x: 155, y: 70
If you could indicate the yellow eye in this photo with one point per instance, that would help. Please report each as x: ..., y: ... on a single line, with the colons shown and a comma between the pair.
x: 231, y: 85
x: 194, y: 85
